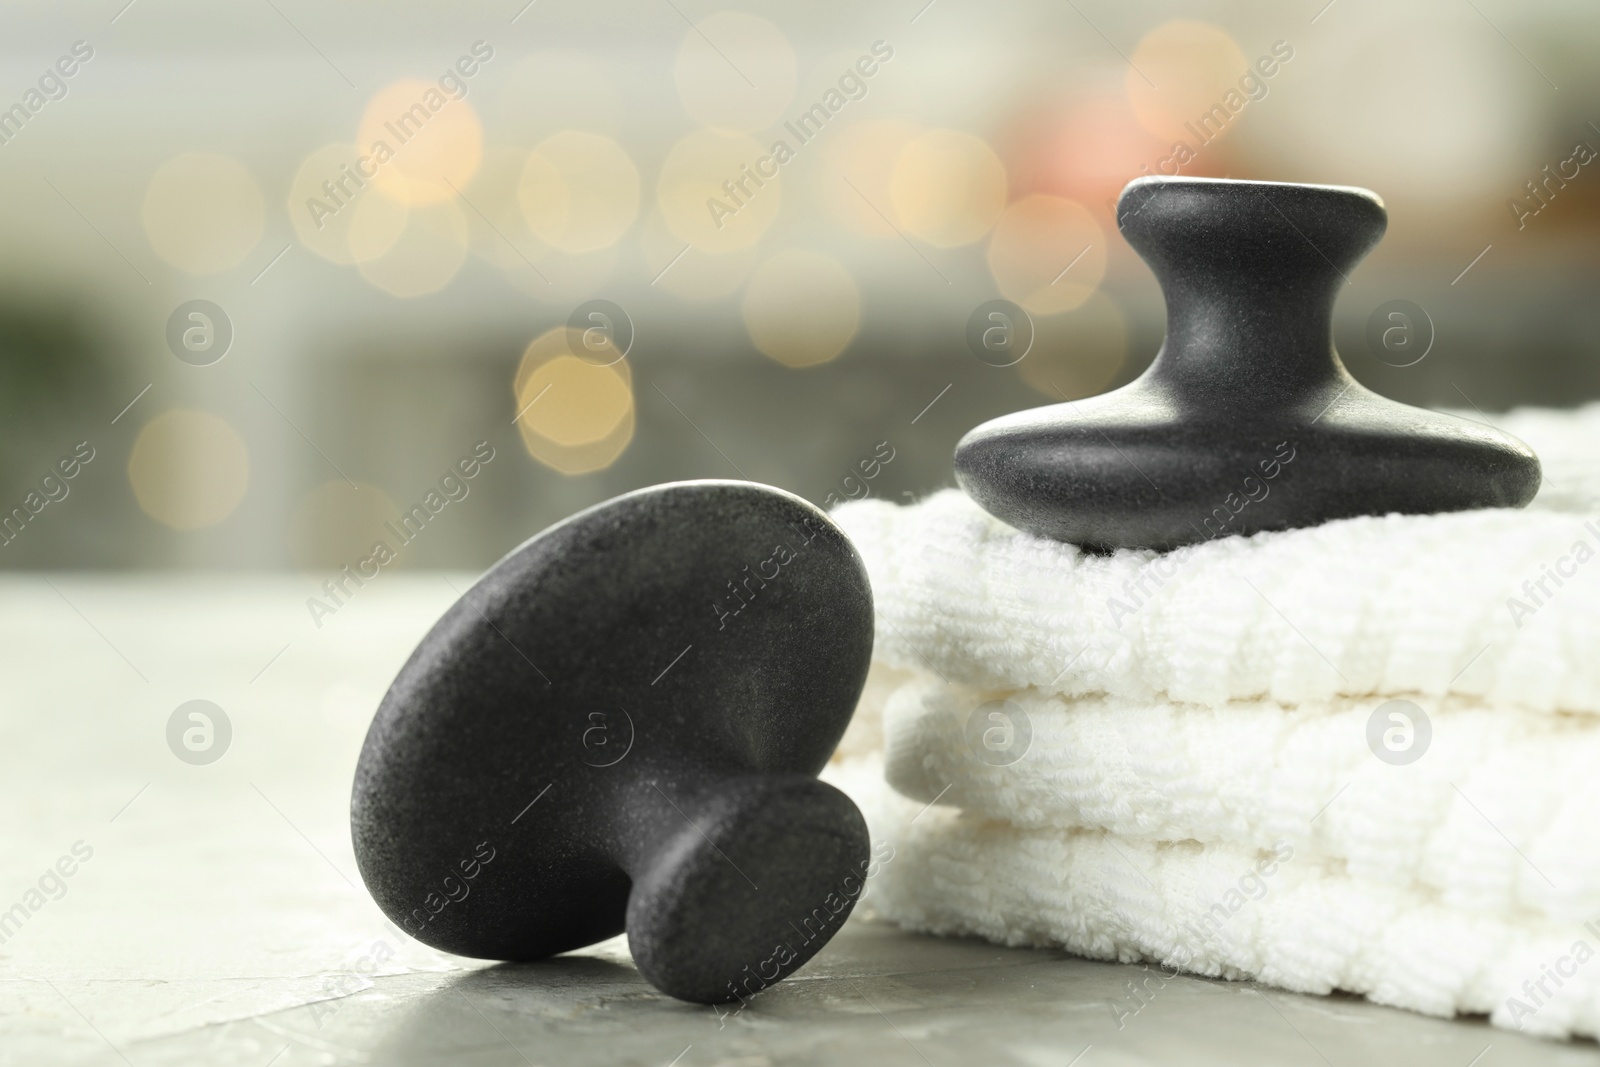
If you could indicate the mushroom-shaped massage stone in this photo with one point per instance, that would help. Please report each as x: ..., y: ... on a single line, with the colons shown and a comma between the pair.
x: 1246, y: 421
x: 619, y: 728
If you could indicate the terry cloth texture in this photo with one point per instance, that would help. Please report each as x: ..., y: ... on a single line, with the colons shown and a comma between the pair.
x: 1360, y: 756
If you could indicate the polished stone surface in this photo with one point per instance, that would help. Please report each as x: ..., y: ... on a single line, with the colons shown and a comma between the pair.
x: 620, y: 725
x: 1246, y: 421
x: 221, y: 920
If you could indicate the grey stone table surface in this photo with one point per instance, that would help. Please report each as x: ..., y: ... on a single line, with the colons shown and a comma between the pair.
x: 213, y: 913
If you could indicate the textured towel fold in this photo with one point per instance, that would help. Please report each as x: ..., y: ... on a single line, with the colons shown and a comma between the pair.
x: 1254, y: 774
x: 1429, y: 604
x: 1180, y: 757
x: 1301, y: 923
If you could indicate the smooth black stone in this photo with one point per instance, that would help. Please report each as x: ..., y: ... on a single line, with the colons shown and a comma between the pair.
x: 601, y: 736
x: 1247, y: 375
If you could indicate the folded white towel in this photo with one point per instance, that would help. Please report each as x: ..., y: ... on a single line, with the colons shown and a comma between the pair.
x: 1496, y: 815
x: 1192, y: 718
x: 1473, y: 603
x: 1301, y: 923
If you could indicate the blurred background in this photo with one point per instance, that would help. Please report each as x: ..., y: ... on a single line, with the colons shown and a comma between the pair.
x: 277, y: 274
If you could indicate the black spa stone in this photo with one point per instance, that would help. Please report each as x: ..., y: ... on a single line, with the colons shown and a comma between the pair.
x: 619, y: 728
x: 1247, y: 420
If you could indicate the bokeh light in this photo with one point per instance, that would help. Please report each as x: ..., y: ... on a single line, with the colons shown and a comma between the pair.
x: 348, y: 224
x: 203, y: 212
x: 801, y: 308
x: 1087, y: 151
x: 1047, y: 254
x: 418, y: 143
x: 735, y: 72
x: 1179, y: 72
x: 586, y: 407
x: 701, y: 200
x: 948, y: 187
x: 337, y: 523
x: 1078, y: 353
x: 855, y: 182
x: 188, y: 469
x: 574, y: 417
x: 427, y: 254
x: 579, y: 191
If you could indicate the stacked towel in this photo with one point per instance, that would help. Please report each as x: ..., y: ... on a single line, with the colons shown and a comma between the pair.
x: 1359, y: 756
